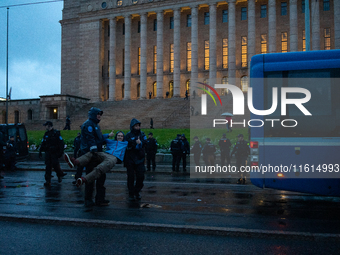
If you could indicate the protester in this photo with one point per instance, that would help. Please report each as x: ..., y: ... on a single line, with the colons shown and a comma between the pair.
x: 134, y: 159
x: 151, y: 150
x: 115, y: 149
x: 53, y: 146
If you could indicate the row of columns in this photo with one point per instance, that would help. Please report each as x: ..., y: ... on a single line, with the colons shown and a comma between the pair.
x: 212, y: 43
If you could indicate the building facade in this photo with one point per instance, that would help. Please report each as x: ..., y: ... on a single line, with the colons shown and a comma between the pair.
x: 127, y: 49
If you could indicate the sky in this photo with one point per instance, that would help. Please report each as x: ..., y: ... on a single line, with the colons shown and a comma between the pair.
x: 34, y: 48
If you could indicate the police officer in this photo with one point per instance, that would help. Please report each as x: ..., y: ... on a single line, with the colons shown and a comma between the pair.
x: 185, y: 151
x: 242, y: 150
x: 11, y: 152
x: 134, y: 159
x: 53, y: 146
x: 176, y: 151
x: 91, y: 140
x: 208, y: 151
x: 197, y: 149
x: 151, y: 150
x: 224, y: 144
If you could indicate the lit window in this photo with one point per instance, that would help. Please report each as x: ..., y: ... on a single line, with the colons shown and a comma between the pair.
x: 189, y: 56
x: 263, y: 44
x: 225, y: 53
x: 171, y: 22
x: 327, y: 38
x: 154, y: 88
x: 283, y: 8
x: 284, y: 42
x: 189, y: 20
x: 224, y: 81
x: 206, y: 55
x: 171, y: 89
x: 188, y: 86
x: 244, y: 13
x: 119, y: 3
x: 244, y: 51
x: 172, y: 58
x: 244, y: 83
x: 138, y: 61
x: 224, y: 16
x: 154, y: 59
x: 263, y: 11
x: 303, y: 40
x: 326, y: 6
x: 205, y: 81
x: 206, y: 18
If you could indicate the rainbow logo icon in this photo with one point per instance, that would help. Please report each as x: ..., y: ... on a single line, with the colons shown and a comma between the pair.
x: 208, y: 92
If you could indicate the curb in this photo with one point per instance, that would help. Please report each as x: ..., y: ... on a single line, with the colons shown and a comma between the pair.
x: 170, y: 228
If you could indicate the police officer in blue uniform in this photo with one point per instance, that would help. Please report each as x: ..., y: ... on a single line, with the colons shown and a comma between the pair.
x: 92, y: 140
x: 53, y: 146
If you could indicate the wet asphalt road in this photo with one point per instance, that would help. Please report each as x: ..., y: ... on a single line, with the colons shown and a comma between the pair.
x: 26, y: 239
x: 176, y: 200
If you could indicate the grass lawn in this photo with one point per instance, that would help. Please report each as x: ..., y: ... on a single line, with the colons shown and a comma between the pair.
x: 163, y: 136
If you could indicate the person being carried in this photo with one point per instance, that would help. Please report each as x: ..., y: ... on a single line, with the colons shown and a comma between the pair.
x: 115, y: 151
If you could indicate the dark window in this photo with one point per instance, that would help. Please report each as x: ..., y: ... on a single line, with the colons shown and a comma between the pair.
x: 154, y: 25
x: 326, y: 6
x: 303, y: 6
x: 206, y: 18
x: 29, y: 114
x: 283, y: 8
x: 138, y: 28
x: 171, y: 22
x: 224, y: 16
x: 263, y: 11
x: 189, y: 20
x: 108, y: 30
x: 123, y: 28
x: 244, y: 13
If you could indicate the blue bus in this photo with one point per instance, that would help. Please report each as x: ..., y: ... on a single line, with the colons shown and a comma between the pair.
x: 296, y: 151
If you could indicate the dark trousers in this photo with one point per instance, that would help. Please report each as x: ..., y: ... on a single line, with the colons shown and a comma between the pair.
x: 89, y: 187
x: 133, y: 170
x: 51, y: 161
x: 151, y: 159
x: 10, y: 162
x: 225, y: 155
x: 197, y: 157
x: 176, y: 160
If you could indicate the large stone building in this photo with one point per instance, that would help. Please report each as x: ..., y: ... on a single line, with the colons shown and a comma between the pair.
x: 124, y: 49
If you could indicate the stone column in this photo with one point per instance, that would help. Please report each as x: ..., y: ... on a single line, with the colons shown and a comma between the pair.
x: 231, y: 43
x: 212, y: 45
x: 127, y: 59
x: 112, y: 74
x: 293, y: 26
x: 159, y: 79
x: 316, y: 25
x: 177, y: 52
x: 143, y: 55
x: 271, y: 26
x: 251, y: 30
x: 194, y: 48
x: 337, y: 24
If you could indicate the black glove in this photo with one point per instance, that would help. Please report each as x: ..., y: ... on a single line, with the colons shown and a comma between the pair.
x: 40, y: 154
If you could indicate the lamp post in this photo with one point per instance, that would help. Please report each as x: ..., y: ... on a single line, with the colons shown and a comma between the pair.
x: 7, y: 70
